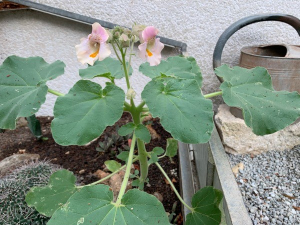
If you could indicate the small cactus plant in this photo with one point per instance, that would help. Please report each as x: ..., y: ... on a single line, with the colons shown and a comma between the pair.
x: 13, y: 188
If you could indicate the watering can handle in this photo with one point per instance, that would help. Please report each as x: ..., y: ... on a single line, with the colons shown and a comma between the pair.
x: 291, y: 20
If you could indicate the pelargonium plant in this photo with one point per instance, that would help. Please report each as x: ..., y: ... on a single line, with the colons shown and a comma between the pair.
x: 174, y: 95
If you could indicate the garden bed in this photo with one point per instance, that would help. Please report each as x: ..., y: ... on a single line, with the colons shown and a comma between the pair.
x: 84, y: 161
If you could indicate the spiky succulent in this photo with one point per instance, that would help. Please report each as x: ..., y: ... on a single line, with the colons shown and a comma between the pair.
x: 13, y: 188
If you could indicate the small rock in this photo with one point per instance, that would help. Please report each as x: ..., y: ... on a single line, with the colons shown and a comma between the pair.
x: 236, y: 168
x: 253, y: 210
x: 158, y: 196
x: 67, y: 153
x: 12, y: 162
x: 22, y: 151
x: 81, y: 171
x: 21, y: 122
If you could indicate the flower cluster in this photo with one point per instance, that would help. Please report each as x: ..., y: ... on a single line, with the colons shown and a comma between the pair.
x: 95, y: 46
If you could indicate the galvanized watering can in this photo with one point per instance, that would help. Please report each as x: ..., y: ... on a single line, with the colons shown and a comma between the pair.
x: 281, y: 61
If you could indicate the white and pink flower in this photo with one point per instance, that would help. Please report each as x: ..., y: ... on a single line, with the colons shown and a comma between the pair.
x: 94, y: 47
x: 150, y: 47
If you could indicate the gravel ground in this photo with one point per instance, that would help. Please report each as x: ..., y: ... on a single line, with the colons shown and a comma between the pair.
x: 270, y: 185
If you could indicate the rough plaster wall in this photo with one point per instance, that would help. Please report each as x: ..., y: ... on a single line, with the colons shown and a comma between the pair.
x: 197, y: 23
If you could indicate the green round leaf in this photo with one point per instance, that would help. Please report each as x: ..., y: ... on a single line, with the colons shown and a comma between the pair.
x: 265, y: 111
x: 109, y: 68
x: 112, y: 165
x: 158, y: 150
x: 22, y: 87
x: 206, y: 207
x: 123, y: 156
x: 94, y: 206
x: 84, y: 113
x: 126, y: 129
x: 176, y: 66
x: 183, y: 110
x: 49, y: 198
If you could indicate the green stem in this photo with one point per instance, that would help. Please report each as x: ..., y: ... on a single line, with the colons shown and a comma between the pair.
x: 109, y: 176
x: 129, y: 61
x: 115, y: 50
x: 55, y: 92
x: 143, y: 158
x: 125, y: 69
x: 145, y: 110
x: 141, y: 105
x: 127, y: 172
x: 126, y: 107
x: 174, y: 188
x: 213, y: 94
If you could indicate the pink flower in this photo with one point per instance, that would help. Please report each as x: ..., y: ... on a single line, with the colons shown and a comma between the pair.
x: 94, y: 47
x: 150, y: 47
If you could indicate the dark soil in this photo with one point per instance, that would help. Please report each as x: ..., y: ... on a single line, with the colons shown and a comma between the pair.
x: 84, y: 161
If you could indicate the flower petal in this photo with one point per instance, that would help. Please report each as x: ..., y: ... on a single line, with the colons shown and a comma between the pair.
x: 158, y: 46
x: 104, y: 51
x: 85, y: 50
x: 154, y: 53
x: 149, y: 33
x: 98, y: 30
x: 142, y: 48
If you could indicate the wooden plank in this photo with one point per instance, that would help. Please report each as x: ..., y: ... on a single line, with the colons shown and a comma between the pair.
x: 186, y: 176
x: 232, y: 195
x: 201, y: 159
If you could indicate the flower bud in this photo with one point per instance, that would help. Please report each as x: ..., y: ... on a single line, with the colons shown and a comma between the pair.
x: 124, y: 40
x: 137, y: 29
x: 130, y: 94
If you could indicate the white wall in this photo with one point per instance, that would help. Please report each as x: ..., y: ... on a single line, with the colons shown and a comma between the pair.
x: 197, y: 23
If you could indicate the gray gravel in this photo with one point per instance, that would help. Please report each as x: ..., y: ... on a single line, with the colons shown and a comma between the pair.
x: 270, y: 186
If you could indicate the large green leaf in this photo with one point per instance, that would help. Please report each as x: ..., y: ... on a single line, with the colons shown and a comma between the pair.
x: 84, y: 113
x: 183, y: 110
x: 176, y: 66
x: 22, y: 87
x: 265, y: 110
x: 109, y: 68
x: 94, y: 206
x: 49, y: 198
x: 206, y: 207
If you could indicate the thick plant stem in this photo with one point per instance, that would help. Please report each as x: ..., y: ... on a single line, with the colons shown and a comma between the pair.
x: 143, y: 159
x: 213, y: 94
x: 127, y: 172
x: 174, y: 188
x: 55, y: 92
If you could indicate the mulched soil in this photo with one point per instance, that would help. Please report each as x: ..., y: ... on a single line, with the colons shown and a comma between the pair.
x: 84, y: 161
